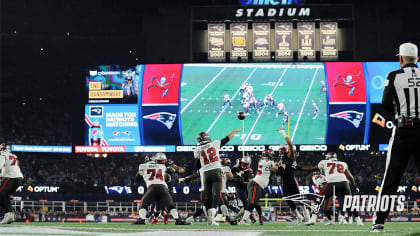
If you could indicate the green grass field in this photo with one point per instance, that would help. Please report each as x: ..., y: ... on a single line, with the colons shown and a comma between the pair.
x: 203, y: 229
x: 298, y: 86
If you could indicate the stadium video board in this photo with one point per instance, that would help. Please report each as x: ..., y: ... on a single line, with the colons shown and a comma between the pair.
x: 318, y: 103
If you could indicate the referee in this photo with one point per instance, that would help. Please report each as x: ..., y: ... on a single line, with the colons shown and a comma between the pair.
x: 401, y: 100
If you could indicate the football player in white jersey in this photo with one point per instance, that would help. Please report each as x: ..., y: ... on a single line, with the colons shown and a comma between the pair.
x: 227, y: 101
x: 269, y: 100
x: 281, y: 108
x: 338, y: 176
x: 257, y: 185
x: 12, y: 179
x: 208, y: 154
x: 154, y: 174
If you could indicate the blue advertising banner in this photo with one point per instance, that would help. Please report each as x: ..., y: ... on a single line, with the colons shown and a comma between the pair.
x: 150, y: 148
x: 346, y: 123
x: 375, y: 75
x: 112, y: 125
x: 36, y: 148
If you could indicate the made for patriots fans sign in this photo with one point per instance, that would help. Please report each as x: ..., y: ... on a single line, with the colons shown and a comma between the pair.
x: 239, y: 38
x: 328, y: 34
x: 284, y: 39
x: 261, y: 32
x: 216, y: 42
x: 306, y: 40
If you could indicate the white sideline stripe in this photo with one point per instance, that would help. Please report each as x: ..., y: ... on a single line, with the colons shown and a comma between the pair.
x: 253, y: 65
x: 202, y: 90
x: 261, y: 112
x: 304, y: 103
x: 214, y: 122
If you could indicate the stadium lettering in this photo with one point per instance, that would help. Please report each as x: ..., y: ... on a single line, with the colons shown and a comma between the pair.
x: 313, y: 148
x: 251, y: 148
x: 46, y: 189
x: 371, y: 203
x: 84, y: 149
x: 270, y: 2
x: 271, y: 12
x: 352, y: 147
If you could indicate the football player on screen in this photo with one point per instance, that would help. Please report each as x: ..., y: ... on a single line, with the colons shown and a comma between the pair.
x: 316, y: 111
x: 281, y: 108
x: 226, y: 100
x: 269, y: 100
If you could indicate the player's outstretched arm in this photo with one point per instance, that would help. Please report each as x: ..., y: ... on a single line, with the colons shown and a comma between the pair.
x: 190, y: 177
x: 178, y: 168
x: 231, y: 134
x: 308, y: 168
x: 282, y: 131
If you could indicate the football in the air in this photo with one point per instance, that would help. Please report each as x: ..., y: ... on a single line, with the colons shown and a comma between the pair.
x: 241, y: 115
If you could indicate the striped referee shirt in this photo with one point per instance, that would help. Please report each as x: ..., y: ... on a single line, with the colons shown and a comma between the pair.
x: 401, y: 92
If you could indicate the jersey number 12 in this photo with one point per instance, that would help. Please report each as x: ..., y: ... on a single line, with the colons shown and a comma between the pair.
x: 210, y: 156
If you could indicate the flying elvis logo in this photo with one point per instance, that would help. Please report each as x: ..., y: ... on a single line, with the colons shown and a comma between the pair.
x: 96, y: 111
x: 165, y: 118
x: 353, y: 117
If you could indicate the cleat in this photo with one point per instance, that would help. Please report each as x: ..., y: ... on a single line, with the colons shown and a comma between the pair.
x: 261, y: 220
x: 140, y: 222
x: 342, y: 220
x: 253, y: 219
x: 9, y: 217
x: 299, y: 219
x: 359, y: 221
x: 165, y: 218
x: 180, y: 221
x: 154, y: 221
x: 377, y: 228
x: 189, y: 220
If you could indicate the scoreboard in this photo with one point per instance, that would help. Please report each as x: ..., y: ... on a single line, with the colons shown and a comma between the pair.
x: 169, y: 104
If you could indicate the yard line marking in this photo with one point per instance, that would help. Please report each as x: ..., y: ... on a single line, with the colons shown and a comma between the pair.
x: 214, y: 122
x: 202, y: 90
x: 301, y: 110
x: 262, y: 110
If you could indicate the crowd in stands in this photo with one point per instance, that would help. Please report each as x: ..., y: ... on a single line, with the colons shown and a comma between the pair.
x: 79, y: 170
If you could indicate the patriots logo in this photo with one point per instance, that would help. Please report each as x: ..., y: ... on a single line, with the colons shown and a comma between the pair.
x: 96, y: 111
x: 285, y: 27
x: 261, y: 27
x: 329, y: 26
x: 353, y: 117
x: 163, y: 83
x: 216, y: 28
x: 165, y: 118
x: 239, y: 27
x: 308, y: 27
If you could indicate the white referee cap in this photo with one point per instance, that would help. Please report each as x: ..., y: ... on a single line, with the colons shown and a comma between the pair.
x: 408, y: 49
